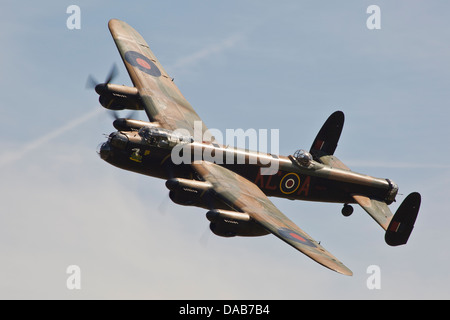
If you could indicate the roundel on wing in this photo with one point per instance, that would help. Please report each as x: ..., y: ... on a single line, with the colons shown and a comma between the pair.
x: 289, y: 183
x: 143, y: 63
x: 294, y: 236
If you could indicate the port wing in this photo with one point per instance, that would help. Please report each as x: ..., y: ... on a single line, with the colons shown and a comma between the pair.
x: 244, y: 196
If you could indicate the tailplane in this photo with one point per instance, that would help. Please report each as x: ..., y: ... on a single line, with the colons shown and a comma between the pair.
x: 398, y: 227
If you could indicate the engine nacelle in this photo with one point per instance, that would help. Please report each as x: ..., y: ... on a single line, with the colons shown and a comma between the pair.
x: 188, y: 185
x: 187, y: 198
x: 226, y: 223
x: 191, y: 193
x: 123, y: 124
x: 117, y: 97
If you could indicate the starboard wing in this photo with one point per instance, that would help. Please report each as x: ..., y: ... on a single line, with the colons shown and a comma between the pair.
x: 161, y: 98
x: 243, y: 195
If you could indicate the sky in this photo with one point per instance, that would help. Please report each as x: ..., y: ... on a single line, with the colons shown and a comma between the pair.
x: 241, y: 64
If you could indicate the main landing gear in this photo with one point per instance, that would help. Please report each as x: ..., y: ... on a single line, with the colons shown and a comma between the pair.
x: 347, y: 210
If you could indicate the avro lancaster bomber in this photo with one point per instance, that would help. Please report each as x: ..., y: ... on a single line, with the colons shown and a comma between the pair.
x: 234, y: 184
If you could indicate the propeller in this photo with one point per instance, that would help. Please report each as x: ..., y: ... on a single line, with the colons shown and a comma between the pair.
x: 163, y: 206
x: 92, y: 83
x: 204, y: 238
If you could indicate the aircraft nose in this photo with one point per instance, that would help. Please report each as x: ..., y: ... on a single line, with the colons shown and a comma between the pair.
x: 103, y: 150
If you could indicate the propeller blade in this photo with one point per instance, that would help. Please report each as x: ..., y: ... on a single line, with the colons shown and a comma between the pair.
x: 114, y: 114
x: 131, y: 115
x: 112, y: 74
x: 204, y: 238
x: 91, y: 82
x: 163, y: 206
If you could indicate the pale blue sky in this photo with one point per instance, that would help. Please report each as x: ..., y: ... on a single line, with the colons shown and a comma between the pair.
x: 241, y: 64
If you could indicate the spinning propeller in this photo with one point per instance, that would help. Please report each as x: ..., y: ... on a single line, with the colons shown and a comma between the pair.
x: 92, y: 83
x: 102, y: 88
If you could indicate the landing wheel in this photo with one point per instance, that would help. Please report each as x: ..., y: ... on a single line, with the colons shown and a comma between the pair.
x: 347, y: 210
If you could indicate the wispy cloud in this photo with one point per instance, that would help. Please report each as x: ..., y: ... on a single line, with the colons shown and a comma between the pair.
x: 183, y: 62
x: 393, y: 165
x: 207, y: 51
x: 19, y: 153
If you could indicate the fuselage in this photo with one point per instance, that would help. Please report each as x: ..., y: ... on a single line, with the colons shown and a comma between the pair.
x: 153, y: 155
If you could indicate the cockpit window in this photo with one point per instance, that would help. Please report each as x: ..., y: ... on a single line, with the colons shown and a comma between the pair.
x: 303, y: 157
x: 162, y: 137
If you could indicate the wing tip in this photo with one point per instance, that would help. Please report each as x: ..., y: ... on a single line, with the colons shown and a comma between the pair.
x: 113, y: 21
x: 338, y: 267
x: 115, y: 25
x: 345, y: 271
x: 329, y: 261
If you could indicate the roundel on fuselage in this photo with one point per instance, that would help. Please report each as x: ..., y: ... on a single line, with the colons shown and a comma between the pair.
x: 289, y: 183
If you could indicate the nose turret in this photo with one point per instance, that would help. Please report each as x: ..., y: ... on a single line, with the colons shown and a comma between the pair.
x: 104, y: 150
x: 116, y: 140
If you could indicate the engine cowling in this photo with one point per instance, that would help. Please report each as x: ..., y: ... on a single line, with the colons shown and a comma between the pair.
x: 124, y: 124
x: 226, y: 223
x: 117, y: 97
x: 191, y: 193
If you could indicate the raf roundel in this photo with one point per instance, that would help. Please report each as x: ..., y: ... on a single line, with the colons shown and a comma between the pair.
x: 143, y: 63
x: 294, y: 236
x: 289, y: 183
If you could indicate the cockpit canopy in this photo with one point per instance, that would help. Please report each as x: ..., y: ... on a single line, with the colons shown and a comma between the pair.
x: 162, y: 137
x: 303, y: 157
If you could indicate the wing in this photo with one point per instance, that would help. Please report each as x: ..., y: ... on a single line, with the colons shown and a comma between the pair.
x: 245, y: 196
x: 161, y: 99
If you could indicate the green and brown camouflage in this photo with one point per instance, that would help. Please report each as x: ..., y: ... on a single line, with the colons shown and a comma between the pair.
x: 314, y: 181
x: 244, y: 196
x: 159, y: 96
x: 229, y: 182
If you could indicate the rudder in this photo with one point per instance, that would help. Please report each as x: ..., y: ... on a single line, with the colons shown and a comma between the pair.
x: 327, y: 139
x: 402, y: 223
